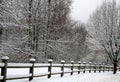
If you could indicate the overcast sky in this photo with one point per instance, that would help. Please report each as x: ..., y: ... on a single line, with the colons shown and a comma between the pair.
x: 81, y: 9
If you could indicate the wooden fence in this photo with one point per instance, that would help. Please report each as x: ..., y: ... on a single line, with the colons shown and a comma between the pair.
x: 79, y: 67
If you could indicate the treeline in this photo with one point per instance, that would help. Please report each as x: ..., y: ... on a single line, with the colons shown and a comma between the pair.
x: 41, y: 29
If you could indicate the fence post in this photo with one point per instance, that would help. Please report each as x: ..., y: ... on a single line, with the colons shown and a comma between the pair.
x: 84, y: 66
x: 108, y: 67
x: 4, y: 69
x: 62, y: 67
x: 103, y: 67
x: 50, y: 67
x: 32, y: 61
x: 79, y: 62
x: 95, y: 67
x: 72, y: 67
x: 90, y: 67
x: 119, y: 68
x: 99, y: 67
x: 111, y: 68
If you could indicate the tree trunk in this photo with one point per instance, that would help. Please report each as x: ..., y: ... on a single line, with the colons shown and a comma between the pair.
x: 115, y: 67
x: 29, y: 24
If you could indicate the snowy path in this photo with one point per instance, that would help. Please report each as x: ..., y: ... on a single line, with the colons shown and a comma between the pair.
x: 88, y: 77
x: 93, y: 77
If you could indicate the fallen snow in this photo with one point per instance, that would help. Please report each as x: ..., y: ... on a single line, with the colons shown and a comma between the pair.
x: 92, y: 77
x: 87, y: 77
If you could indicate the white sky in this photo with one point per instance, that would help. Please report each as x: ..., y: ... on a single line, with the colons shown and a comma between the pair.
x: 82, y: 9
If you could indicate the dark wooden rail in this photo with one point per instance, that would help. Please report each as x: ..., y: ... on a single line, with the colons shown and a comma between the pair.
x: 79, y: 67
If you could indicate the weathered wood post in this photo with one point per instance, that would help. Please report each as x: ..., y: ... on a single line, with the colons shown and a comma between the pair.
x: 32, y: 61
x: 50, y: 67
x: 62, y: 67
x: 84, y: 66
x: 99, y: 67
x: 103, y: 67
x: 79, y: 62
x: 119, y: 68
x: 111, y: 68
x: 72, y: 67
x: 108, y: 67
x: 95, y: 67
x: 90, y: 67
x: 4, y: 69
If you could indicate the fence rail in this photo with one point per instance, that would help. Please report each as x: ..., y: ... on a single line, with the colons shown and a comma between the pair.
x: 79, y: 67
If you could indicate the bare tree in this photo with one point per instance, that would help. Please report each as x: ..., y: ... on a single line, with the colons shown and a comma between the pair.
x: 41, y: 29
x: 80, y: 35
x: 1, y: 28
x: 106, y: 21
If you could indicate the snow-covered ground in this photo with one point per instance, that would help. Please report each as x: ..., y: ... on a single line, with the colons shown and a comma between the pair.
x: 87, y: 77
x: 93, y: 77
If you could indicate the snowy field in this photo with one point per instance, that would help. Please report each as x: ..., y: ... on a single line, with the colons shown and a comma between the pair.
x: 93, y: 77
x: 87, y: 77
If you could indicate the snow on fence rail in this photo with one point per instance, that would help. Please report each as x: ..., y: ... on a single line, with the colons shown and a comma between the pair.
x: 79, y: 67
